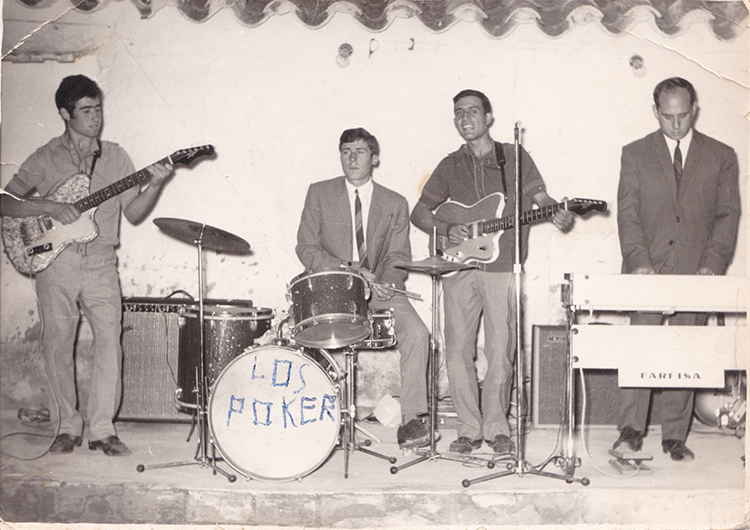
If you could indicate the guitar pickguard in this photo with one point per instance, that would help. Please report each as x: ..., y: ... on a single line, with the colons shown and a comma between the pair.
x: 478, y: 246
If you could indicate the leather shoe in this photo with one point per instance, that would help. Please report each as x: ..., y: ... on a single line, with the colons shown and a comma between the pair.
x: 630, y: 437
x: 64, y: 443
x: 502, y: 445
x: 464, y: 445
x: 677, y: 450
x: 111, y: 445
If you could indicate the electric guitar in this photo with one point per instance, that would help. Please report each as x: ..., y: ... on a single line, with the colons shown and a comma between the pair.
x: 485, y: 227
x: 32, y: 243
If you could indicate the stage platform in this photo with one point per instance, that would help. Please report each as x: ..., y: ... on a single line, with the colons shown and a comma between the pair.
x: 89, y: 487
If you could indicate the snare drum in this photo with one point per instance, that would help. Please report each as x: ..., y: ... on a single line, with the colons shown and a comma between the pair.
x: 329, y: 309
x: 229, y: 327
x: 383, y: 333
x: 274, y: 413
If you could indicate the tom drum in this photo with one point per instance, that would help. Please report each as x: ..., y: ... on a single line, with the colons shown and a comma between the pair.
x: 229, y: 328
x: 329, y: 309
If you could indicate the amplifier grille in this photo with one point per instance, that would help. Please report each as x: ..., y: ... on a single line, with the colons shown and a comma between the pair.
x: 150, y: 344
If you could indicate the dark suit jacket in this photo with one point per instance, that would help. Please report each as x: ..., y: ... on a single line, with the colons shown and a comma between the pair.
x: 324, y: 238
x: 698, y: 227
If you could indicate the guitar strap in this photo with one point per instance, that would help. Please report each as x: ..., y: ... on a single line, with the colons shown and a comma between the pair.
x: 97, y: 154
x: 500, y: 158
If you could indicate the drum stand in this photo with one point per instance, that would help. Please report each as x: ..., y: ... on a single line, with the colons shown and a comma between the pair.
x: 520, y: 465
x: 349, y: 444
x: 436, y: 271
x: 201, y: 455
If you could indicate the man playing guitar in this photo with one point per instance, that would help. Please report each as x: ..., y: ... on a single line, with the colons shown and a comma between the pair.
x: 478, y: 169
x: 83, y: 274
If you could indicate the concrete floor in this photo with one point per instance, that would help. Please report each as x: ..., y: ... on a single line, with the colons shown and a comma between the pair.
x: 89, y: 487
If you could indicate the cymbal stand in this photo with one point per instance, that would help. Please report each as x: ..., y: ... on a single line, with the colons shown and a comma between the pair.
x: 349, y: 443
x: 431, y: 453
x: 520, y: 466
x: 201, y: 456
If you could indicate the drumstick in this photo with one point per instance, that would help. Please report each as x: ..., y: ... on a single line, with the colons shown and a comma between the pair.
x: 410, y: 294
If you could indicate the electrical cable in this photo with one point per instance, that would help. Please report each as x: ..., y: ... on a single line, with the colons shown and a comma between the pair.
x: 54, y: 395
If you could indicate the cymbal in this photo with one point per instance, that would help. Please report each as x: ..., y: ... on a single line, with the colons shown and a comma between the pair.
x: 210, y: 237
x: 434, y: 265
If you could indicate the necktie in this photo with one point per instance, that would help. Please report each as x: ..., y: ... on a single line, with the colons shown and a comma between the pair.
x: 361, y: 246
x: 678, y: 164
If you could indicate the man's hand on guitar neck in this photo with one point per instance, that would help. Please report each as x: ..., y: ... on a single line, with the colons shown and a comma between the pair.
x: 563, y: 219
x: 159, y: 173
x: 139, y: 207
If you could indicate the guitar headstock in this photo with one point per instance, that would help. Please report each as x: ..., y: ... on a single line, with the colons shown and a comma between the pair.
x: 582, y: 206
x: 186, y: 156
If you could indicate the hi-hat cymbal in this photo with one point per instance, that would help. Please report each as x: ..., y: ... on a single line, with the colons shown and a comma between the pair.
x: 209, y: 237
x: 434, y: 265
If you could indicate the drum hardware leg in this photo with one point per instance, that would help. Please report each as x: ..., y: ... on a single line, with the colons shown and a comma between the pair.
x: 431, y: 453
x: 201, y: 458
x: 349, y: 443
x: 193, y: 424
x: 367, y: 433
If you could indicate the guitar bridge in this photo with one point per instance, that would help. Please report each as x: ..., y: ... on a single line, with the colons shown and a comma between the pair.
x: 41, y: 249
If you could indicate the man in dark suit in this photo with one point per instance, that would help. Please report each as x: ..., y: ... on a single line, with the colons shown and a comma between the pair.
x: 328, y: 239
x: 678, y: 212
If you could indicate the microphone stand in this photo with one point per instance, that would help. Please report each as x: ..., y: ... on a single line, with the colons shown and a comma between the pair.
x: 519, y: 465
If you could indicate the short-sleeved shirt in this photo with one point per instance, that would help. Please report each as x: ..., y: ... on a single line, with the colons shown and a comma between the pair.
x: 464, y: 178
x: 57, y: 161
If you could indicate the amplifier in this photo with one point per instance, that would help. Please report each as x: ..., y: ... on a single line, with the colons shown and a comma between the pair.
x: 150, y: 345
x: 548, y: 384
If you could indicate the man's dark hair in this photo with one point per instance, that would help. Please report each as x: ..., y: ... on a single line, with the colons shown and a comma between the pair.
x: 352, y: 135
x: 476, y: 93
x: 74, y: 88
x: 671, y: 84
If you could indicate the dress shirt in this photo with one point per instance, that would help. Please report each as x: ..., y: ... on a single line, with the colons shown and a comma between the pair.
x: 684, y: 145
x: 365, y: 197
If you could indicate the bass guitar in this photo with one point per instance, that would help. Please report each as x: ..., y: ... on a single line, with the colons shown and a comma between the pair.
x: 32, y: 243
x: 485, y: 227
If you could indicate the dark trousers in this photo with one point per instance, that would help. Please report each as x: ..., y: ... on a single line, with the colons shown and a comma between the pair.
x: 676, y: 404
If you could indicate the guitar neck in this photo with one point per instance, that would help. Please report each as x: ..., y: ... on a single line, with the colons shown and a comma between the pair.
x: 504, y: 223
x: 98, y: 197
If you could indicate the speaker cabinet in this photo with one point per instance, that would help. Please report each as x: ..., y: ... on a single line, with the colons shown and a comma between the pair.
x: 150, y: 345
x: 548, y: 378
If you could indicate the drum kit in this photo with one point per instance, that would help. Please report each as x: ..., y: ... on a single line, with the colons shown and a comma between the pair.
x: 276, y: 411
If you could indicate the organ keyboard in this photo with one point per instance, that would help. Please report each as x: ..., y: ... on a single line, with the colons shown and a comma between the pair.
x: 659, y: 356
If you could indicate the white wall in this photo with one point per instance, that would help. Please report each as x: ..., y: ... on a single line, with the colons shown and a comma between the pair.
x: 273, y: 102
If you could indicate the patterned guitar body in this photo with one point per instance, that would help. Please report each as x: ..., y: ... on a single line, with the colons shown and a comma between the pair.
x: 33, y: 243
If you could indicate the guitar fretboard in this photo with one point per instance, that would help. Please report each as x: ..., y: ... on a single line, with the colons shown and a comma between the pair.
x: 98, y: 197
x: 504, y: 223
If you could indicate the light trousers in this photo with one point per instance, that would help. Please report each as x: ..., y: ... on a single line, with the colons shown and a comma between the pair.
x: 84, y: 275
x: 413, y: 342
x: 469, y: 296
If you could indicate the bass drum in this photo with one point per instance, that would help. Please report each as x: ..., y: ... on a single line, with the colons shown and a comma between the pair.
x: 726, y: 407
x: 275, y: 414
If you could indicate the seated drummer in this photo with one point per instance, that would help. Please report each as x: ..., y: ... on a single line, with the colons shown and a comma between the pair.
x: 337, y: 214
